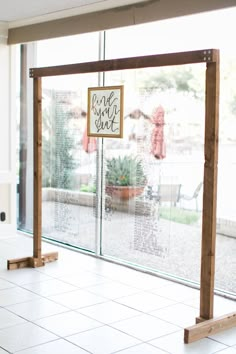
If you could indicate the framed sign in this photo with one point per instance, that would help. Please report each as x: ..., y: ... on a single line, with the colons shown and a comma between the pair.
x: 105, y: 111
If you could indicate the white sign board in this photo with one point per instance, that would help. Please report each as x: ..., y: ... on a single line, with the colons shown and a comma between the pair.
x: 105, y: 111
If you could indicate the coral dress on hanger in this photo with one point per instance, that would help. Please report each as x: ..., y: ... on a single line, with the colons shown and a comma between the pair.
x: 158, y: 146
x: 89, y: 143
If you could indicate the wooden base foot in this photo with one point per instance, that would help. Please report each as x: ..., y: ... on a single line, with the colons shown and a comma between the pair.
x: 209, y: 327
x: 31, y: 262
x: 200, y: 319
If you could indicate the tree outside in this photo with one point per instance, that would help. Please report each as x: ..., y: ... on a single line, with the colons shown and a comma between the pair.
x: 59, y: 142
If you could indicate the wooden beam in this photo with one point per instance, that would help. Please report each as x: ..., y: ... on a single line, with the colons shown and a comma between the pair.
x: 31, y: 261
x: 210, y: 191
x: 37, y: 221
x: 46, y: 258
x: 18, y: 263
x: 50, y: 257
x: 191, y: 57
x: 209, y: 327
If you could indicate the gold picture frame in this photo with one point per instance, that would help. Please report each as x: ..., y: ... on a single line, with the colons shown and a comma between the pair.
x: 105, y: 111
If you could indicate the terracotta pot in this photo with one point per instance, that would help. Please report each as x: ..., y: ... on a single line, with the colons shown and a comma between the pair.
x: 124, y: 192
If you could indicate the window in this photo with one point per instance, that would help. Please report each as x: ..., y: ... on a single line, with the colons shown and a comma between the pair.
x: 160, y: 229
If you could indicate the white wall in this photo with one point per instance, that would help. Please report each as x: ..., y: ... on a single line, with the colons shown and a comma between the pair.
x: 7, y: 136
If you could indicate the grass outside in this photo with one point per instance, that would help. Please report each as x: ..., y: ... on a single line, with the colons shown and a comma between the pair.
x: 88, y: 188
x: 178, y: 215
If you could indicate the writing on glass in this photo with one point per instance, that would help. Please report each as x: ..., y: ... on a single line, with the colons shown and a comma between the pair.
x: 106, y: 112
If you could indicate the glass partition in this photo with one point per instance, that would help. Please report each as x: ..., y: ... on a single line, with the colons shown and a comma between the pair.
x: 157, y: 224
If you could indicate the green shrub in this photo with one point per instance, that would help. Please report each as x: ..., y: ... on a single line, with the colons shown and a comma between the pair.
x: 88, y: 188
x: 125, y: 171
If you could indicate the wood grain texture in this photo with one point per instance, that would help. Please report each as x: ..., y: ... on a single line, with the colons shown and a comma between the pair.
x: 191, y: 57
x: 210, y: 327
x: 208, y: 247
x: 37, y: 220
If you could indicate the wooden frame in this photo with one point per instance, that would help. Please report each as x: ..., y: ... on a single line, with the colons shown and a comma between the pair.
x: 205, y: 323
x: 105, y: 111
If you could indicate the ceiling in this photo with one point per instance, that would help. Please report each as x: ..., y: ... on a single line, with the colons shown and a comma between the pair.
x: 19, y: 12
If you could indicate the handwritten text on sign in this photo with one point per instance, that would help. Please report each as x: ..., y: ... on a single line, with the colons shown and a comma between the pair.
x: 105, y: 111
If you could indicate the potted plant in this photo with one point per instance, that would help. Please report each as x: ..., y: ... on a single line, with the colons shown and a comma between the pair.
x: 125, y: 177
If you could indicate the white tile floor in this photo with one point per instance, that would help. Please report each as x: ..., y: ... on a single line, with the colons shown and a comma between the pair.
x: 80, y: 304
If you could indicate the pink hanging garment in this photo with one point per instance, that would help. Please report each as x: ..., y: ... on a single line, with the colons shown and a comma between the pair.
x: 158, y: 147
x: 89, y: 143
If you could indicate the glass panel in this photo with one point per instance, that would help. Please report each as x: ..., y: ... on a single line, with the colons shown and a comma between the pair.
x: 226, y: 211
x: 17, y: 83
x: 25, y: 186
x: 69, y: 157
x: 167, y: 36
x: 69, y: 162
x: 62, y: 100
x: 158, y: 224
x: 68, y: 50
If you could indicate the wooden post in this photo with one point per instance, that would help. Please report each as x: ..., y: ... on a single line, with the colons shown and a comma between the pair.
x: 210, y: 191
x: 38, y: 260
x: 206, y: 324
x: 37, y: 225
